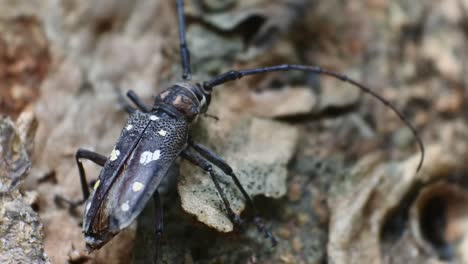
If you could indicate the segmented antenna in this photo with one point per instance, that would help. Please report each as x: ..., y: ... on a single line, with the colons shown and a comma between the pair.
x: 184, y: 51
x: 234, y: 75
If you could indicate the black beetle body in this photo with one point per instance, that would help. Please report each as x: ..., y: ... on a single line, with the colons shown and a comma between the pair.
x: 148, y: 145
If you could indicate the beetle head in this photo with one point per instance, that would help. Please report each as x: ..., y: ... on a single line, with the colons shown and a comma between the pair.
x: 189, y: 98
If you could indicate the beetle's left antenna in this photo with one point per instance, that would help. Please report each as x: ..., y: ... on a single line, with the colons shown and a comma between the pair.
x: 184, y: 51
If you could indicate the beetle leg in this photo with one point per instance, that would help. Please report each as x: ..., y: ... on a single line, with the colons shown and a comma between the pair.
x: 89, y: 155
x: 199, y: 161
x: 123, y: 102
x: 125, y: 105
x: 137, y: 101
x: 211, y: 116
x: 159, y: 222
x: 220, y: 163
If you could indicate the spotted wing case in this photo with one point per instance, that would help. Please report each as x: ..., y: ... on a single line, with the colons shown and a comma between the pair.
x: 148, y: 145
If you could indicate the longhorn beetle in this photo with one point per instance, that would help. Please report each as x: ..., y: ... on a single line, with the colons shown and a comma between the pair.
x: 154, y: 137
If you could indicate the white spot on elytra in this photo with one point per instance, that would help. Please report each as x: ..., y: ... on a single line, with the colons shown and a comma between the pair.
x: 96, y: 185
x: 162, y: 132
x: 129, y: 127
x: 148, y: 156
x: 125, y: 206
x: 88, y: 206
x: 154, y: 118
x: 137, y: 186
x: 114, y: 154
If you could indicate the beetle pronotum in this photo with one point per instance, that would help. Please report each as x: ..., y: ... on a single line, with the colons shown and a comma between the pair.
x: 154, y: 137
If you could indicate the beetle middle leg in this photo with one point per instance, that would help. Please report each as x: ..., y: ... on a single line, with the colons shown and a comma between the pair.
x: 199, y: 161
x: 89, y: 155
x: 203, y: 162
x: 220, y: 163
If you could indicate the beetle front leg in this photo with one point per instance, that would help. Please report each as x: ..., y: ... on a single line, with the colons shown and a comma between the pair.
x: 199, y: 161
x: 220, y: 163
x: 135, y: 100
x: 89, y: 155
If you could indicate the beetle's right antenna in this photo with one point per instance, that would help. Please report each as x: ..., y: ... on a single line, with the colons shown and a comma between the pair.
x: 184, y: 51
x: 234, y: 75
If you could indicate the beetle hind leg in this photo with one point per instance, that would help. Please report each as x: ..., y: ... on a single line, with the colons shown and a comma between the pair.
x: 82, y: 154
x: 199, y: 161
x: 221, y: 164
x: 203, y: 162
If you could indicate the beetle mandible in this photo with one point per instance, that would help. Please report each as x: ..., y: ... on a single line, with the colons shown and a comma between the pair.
x: 154, y: 137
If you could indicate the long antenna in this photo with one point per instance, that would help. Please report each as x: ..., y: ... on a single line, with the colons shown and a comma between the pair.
x: 234, y: 75
x: 184, y: 51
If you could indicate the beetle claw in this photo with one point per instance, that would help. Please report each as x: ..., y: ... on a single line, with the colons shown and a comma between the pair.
x: 262, y: 228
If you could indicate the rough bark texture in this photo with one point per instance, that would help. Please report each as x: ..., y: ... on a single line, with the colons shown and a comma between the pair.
x: 21, y: 230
